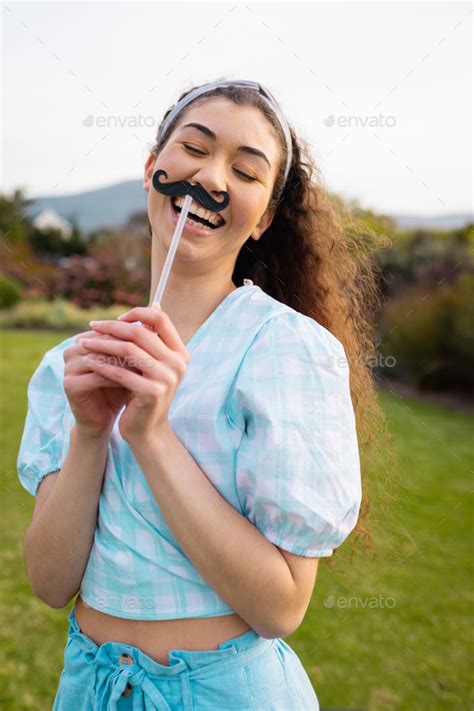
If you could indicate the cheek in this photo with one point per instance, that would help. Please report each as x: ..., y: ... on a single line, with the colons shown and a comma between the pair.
x: 173, y: 160
x: 245, y: 214
x: 153, y: 201
x: 166, y: 162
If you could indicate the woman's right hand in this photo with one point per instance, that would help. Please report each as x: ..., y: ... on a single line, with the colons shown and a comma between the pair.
x: 94, y: 399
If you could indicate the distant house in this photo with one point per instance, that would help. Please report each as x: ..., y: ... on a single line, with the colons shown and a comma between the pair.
x: 49, y: 219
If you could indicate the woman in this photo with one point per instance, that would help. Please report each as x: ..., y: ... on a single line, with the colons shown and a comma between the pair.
x: 192, y: 525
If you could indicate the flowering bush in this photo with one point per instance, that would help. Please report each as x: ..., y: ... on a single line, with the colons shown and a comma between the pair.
x: 115, y: 270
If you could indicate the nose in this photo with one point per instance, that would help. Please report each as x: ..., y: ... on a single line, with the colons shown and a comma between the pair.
x: 210, y: 178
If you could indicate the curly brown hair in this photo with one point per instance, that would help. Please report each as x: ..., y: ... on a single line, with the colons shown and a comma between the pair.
x: 315, y: 257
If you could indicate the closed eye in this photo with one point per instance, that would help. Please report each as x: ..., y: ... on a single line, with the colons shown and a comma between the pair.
x: 198, y: 152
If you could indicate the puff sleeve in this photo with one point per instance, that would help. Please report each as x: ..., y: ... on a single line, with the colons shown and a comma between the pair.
x: 297, y: 467
x: 45, y: 435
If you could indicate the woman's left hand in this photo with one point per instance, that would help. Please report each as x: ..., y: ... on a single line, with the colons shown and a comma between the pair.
x: 159, y: 355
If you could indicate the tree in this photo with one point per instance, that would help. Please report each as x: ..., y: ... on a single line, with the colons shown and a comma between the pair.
x: 15, y: 225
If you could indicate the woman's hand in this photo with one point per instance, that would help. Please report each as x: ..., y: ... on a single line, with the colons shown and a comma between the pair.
x: 95, y: 401
x: 150, y: 361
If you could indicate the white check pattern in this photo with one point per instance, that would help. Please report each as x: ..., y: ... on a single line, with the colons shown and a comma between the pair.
x: 266, y: 412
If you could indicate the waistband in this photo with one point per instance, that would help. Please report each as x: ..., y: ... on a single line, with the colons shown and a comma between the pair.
x: 232, y: 653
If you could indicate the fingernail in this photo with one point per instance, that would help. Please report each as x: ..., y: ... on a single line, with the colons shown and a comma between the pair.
x: 122, y: 315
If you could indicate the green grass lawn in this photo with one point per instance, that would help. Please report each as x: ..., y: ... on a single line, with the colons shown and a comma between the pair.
x: 386, y: 632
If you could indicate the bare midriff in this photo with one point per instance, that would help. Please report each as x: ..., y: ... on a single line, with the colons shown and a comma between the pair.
x: 157, y: 637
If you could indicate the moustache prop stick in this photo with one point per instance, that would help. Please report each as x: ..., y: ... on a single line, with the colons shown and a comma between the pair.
x: 190, y: 191
x: 182, y: 187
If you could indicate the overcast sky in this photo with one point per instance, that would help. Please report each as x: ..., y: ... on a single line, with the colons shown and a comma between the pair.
x: 84, y: 86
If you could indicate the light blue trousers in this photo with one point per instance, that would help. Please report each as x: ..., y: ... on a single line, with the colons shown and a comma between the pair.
x: 246, y: 673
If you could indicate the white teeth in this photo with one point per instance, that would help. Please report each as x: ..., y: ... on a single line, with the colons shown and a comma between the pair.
x: 199, y: 211
x: 199, y: 225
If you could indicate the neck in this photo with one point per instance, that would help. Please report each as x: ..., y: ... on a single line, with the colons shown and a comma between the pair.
x: 192, y: 291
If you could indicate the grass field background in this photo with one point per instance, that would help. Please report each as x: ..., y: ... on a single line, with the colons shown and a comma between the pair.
x: 385, y: 632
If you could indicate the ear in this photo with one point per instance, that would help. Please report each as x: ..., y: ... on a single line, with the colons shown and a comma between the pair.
x: 263, y: 225
x: 148, y: 171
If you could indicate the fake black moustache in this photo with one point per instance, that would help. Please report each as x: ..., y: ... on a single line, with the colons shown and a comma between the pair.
x: 183, y: 187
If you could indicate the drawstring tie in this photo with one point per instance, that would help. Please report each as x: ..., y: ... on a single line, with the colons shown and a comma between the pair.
x: 131, y: 679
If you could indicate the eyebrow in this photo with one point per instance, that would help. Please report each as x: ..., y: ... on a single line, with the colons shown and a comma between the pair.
x: 210, y: 134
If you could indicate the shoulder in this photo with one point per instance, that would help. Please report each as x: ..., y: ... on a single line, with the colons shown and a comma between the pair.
x: 55, y: 353
x: 291, y: 365
x: 296, y: 328
x: 51, y: 365
x: 289, y: 336
x: 278, y: 318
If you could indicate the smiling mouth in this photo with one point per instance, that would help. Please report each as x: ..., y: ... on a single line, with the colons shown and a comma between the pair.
x: 201, y: 221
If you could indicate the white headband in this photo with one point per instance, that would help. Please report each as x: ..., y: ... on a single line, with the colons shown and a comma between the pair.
x: 269, y: 98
